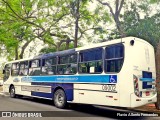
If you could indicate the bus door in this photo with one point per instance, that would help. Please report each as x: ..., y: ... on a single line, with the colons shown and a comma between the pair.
x: 6, y: 76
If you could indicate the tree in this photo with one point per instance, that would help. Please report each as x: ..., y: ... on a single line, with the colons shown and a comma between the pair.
x: 146, y: 28
x: 54, y: 22
x: 115, y: 14
x: 16, y: 34
x: 50, y: 49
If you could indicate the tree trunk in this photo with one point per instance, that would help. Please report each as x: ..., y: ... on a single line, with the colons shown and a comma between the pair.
x: 157, y: 57
x: 67, y: 44
x: 119, y: 27
x: 16, y: 53
x: 76, y: 25
x: 23, y: 49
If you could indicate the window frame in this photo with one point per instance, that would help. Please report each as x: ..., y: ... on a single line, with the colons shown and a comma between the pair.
x: 114, y: 59
x: 44, y: 60
x: 14, y: 69
x: 24, y: 67
x: 95, y: 61
x: 30, y: 66
x: 68, y: 64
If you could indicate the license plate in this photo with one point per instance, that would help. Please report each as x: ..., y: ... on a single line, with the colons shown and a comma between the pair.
x: 147, y: 93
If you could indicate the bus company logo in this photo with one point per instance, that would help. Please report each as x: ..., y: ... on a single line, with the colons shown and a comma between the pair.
x: 75, y: 78
x: 113, y: 79
x: 25, y: 79
x: 16, y: 80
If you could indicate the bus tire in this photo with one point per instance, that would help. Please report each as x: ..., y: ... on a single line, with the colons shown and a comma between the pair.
x: 12, y: 92
x: 60, y: 99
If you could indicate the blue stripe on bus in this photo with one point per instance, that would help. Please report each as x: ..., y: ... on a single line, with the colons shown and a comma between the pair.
x: 66, y: 82
x: 73, y: 79
x: 67, y: 87
x: 147, y: 79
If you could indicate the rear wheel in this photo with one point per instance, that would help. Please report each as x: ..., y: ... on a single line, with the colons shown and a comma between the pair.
x: 60, y: 99
x: 12, y: 92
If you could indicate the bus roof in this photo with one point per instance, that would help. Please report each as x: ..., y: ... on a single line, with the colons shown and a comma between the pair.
x: 72, y: 51
x: 59, y: 53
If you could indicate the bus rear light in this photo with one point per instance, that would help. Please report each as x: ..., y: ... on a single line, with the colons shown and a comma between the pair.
x: 136, y: 87
x: 110, y: 96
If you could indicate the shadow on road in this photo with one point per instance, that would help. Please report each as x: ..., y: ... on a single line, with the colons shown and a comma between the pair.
x: 81, y: 110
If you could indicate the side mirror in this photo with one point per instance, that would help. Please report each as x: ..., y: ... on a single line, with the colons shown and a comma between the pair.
x: 3, y: 71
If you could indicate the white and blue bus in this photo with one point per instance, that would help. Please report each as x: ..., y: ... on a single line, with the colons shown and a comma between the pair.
x: 119, y: 72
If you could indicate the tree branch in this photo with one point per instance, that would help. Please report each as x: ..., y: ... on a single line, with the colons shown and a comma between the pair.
x: 23, y: 49
x: 117, y: 5
x: 107, y: 4
x: 120, y: 7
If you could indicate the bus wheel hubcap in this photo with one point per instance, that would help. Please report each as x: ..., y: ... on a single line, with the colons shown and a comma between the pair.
x: 12, y: 92
x: 60, y: 98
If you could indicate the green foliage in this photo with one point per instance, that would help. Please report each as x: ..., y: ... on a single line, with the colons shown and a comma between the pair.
x: 154, y: 1
x: 51, y: 49
x: 47, y: 50
x: 147, y: 28
x: 51, y: 21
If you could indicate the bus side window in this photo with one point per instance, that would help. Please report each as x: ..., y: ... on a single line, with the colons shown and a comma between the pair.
x: 49, y: 66
x: 114, y: 58
x: 62, y: 64
x: 98, y: 67
x: 15, y: 69
x: 90, y: 61
x: 23, y: 71
x: 67, y: 64
x: 35, y: 67
x: 72, y: 66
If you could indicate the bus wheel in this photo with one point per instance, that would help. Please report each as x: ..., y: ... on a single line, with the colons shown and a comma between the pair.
x: 12, y: 92
x: 60, y: 99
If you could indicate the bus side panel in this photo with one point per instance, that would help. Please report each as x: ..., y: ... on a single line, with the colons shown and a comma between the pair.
x: 50, y: 89
x: 99, y: 94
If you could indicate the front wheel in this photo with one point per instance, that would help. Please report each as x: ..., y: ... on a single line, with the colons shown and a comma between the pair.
x: 60, y: 99
x: 12, y: 92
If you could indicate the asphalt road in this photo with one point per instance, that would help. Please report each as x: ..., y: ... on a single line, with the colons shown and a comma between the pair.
x: 29, y: 107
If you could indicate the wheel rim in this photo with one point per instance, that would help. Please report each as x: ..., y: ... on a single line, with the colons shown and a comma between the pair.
x: 12, y: 92
x: 60, y: 99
